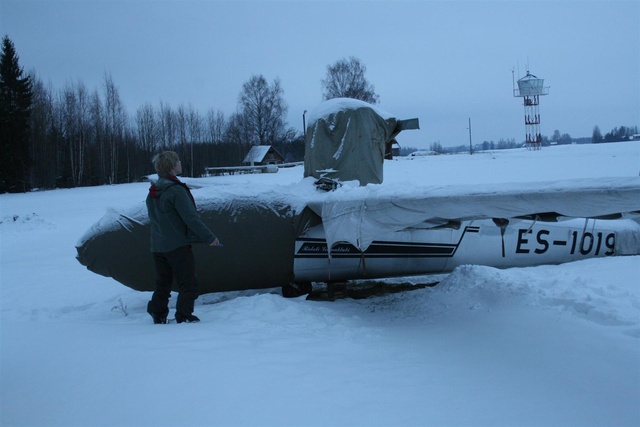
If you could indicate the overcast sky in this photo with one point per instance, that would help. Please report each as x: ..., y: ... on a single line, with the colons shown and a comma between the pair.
x: 441, y: 61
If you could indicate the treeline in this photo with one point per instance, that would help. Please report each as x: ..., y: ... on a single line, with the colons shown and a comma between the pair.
x: 617, y: 134
x: 81, y: 137
x: 76, y: 136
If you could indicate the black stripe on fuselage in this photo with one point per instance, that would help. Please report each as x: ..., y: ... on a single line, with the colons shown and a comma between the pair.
x: 317, y: 248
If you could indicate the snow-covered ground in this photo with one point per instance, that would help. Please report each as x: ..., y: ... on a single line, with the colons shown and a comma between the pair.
x: 549, y: 345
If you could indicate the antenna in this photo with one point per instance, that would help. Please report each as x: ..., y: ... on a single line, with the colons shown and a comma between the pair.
x: 470, y: 146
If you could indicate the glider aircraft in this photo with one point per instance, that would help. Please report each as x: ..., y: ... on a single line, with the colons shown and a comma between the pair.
x: 342, y: 223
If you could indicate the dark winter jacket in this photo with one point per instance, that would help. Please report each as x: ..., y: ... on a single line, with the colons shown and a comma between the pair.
x: 175, y: 222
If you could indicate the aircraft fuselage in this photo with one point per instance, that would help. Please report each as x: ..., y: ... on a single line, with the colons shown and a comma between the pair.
x: 416, y: 250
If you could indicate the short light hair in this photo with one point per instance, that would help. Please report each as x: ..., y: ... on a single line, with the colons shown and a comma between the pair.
x: 164, y: 162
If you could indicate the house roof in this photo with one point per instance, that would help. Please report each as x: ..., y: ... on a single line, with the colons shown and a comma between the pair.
x: 257, y: 153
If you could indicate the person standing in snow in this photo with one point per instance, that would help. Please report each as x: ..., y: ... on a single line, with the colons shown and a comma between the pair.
x: 175, y: 225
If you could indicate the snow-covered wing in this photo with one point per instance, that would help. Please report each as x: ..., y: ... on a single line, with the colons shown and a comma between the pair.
x: 359, y: 214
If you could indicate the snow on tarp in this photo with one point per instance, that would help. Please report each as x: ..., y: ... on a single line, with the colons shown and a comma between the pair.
x: 346, y: 139
x: 260, y: 229
x: 253, y: 223
x: 358, y: 215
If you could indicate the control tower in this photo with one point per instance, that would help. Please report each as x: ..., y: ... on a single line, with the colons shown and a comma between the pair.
x: 531, y: 88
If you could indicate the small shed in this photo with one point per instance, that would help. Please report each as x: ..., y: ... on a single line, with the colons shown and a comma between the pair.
x: 261, y: 155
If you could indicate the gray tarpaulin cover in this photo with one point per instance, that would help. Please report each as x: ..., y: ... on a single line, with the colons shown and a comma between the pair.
x: 258, y: 233
x: 360, y: 215
x: 345, y: 140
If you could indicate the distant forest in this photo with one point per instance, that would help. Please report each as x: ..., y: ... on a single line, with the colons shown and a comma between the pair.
x: 75, y: 136
x: 81, y: 137
x: 617, y: 134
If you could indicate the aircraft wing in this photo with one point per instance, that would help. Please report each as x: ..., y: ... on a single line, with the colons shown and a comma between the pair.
x: 358, y: 215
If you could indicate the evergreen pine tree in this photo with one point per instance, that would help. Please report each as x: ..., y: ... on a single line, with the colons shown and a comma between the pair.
x: 596, y: 137
x: 15, y: 108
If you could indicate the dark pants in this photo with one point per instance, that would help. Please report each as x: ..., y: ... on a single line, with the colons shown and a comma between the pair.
x: 180, y: 264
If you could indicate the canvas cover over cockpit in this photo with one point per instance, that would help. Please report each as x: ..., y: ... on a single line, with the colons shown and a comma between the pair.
x: 346, y: 140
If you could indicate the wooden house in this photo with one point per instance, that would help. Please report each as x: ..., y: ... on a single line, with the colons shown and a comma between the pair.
x: 261, y: 155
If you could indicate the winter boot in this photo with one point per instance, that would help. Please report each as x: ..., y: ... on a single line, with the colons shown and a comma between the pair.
x: 186, y: 317
x: 158, y: 317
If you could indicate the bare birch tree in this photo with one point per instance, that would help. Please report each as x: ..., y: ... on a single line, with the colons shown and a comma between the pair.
x: 166, y: 122
x: 75, y: 129
x: 147, y: 128
x: 345, y: 79
x: 43, y: 142
x: 115, y: 118
x: 194, y: 123
x: 263, y: 111
x: 215, y: 128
